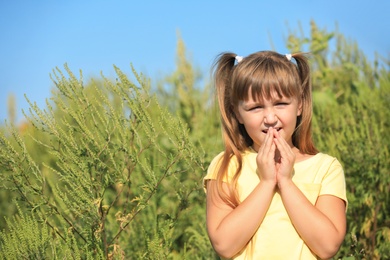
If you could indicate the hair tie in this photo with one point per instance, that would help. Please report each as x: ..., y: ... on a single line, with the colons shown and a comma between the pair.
x: 239, y: 58
x: 289, y: 56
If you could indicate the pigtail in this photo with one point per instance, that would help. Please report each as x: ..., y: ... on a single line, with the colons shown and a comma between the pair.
x: 303, y: 133
x: 223, y: 68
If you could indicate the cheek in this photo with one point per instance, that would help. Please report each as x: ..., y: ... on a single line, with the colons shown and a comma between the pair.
x: 253, y: 124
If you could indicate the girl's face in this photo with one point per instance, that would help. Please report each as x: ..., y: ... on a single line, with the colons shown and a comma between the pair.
x: 258, y: 116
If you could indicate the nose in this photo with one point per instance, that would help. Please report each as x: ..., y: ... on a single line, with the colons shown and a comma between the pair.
x: 270, y: 117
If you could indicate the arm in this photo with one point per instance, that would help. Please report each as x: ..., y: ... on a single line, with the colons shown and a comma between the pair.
x: 322, y: 226
x: 231, y: 229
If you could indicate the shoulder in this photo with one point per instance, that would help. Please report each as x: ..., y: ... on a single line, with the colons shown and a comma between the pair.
x: 324, y: 168
x: 216, y: 161
x: 318, y: 168
x: 232, y: 163
x: 320, y: 159
x: 232, y: 159
x: 328, y: 160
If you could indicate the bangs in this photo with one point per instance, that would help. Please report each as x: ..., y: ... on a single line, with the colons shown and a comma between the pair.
x: 273, y: 80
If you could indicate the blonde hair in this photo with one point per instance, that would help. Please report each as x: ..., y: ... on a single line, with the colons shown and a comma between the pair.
x: 260, y: 75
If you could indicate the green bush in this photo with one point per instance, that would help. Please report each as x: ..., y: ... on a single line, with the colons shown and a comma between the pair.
x: 121, y: 176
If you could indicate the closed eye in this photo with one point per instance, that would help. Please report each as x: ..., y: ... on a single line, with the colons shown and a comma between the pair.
x: 255, y: 108
x: 282, y: 104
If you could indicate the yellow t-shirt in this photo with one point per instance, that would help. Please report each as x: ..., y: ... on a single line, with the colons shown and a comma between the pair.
x: 276, y: 237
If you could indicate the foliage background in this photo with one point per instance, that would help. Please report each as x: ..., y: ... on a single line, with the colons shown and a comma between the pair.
x: 112, y: 168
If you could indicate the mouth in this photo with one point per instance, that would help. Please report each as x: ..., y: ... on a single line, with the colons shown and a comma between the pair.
x: 276, y: 128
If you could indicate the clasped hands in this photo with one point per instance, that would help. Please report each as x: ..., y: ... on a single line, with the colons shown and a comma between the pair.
x: 275, y: 159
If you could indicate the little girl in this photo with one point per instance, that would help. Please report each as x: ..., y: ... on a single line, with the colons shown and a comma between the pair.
x: 271, y: 194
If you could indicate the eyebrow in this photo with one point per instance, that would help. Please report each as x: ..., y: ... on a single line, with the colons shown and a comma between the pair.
x: 247, y: 104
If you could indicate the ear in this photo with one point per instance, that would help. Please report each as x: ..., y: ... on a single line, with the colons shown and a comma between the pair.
x: 238, y: 116
x: 300, y: 105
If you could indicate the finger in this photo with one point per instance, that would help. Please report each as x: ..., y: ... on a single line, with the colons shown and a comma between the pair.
x: 287, y: 155
x: 264, y: 148
x: 283, y: 147
x: 273, y: 149
x: 282, y: 152
x: 265, y: 158
x: 267, y: 150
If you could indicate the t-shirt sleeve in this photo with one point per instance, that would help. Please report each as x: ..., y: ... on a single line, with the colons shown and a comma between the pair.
x: 212, y: 170
x: 334, y: 181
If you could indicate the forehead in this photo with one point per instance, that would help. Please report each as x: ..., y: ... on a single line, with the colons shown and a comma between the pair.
x: 264, y: 95
x: 258, y: 98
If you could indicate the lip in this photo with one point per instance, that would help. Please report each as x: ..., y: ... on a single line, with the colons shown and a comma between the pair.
x: 276, y: 128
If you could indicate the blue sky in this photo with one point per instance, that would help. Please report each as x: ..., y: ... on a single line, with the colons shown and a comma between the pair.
x: 37, y: 36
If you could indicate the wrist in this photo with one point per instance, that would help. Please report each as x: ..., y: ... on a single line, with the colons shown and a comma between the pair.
x: 269, y: 184
x: 284, y: 183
